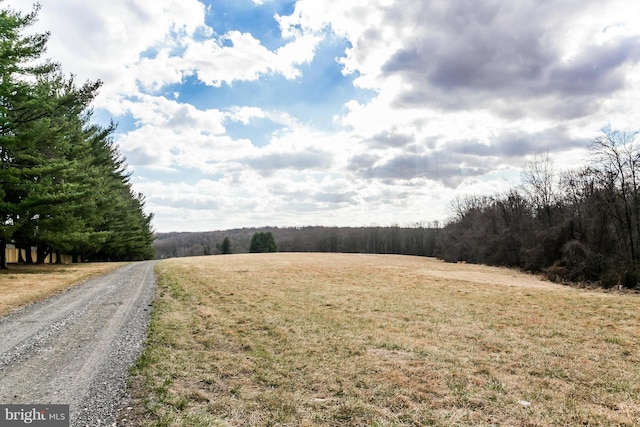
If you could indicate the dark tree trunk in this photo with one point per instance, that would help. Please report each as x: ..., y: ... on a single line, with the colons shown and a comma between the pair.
x: 41, y: 254
x: 28, y: 255
x: 3, y: 255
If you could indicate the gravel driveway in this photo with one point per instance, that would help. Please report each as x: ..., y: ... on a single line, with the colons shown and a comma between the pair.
x: 76, y: 348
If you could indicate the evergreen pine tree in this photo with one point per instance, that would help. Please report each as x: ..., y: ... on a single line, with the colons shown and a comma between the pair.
x: 64, y: 186
x: 263, y: 242
x: 225, y: 247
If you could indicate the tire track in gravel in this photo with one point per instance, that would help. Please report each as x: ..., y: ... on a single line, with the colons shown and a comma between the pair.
x: 76, y: 348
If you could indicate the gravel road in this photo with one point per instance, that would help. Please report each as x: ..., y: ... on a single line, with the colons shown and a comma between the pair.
x: 76, y: 348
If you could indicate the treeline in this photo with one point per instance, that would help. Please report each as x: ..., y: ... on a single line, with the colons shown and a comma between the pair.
x: 63, y: 184
x: 577, y: 226
x: 416, y: 240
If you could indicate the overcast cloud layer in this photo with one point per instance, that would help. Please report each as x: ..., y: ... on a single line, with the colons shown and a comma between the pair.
x: 349, y: 112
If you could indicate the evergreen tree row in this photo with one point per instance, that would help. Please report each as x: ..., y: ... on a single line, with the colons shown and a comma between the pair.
x: 63, y: 184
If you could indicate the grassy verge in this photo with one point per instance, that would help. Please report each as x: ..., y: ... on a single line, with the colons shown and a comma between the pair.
x: 327, y: 339
x: 24, y: 284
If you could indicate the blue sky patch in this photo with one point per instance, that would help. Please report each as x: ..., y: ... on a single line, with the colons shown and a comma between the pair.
x: 247, y: 17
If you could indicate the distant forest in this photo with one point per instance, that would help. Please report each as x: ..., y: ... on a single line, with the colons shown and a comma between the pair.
x: 576, y: 226
x: 418, y: 240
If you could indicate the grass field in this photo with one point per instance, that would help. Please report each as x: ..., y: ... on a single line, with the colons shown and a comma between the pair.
x: 24, y: 284
x: 348, y: 339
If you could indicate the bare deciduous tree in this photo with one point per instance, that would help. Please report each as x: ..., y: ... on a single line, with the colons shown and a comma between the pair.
x: 616, y: 157
x: 539, y: 183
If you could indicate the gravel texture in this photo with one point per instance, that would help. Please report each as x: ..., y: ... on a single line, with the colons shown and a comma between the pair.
x: 76, y: 348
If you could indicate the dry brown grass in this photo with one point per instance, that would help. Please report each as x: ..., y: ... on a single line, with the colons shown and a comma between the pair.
x: 335, y: 339
x: 24, y: 284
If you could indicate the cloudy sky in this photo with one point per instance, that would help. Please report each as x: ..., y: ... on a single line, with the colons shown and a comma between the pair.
x: 242, y: 113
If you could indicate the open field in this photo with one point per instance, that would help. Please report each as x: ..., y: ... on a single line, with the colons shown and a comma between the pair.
x: 23, y: 284
x: 347, y: 339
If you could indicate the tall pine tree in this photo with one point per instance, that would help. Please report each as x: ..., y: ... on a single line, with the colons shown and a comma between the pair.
x: 64, y: 185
